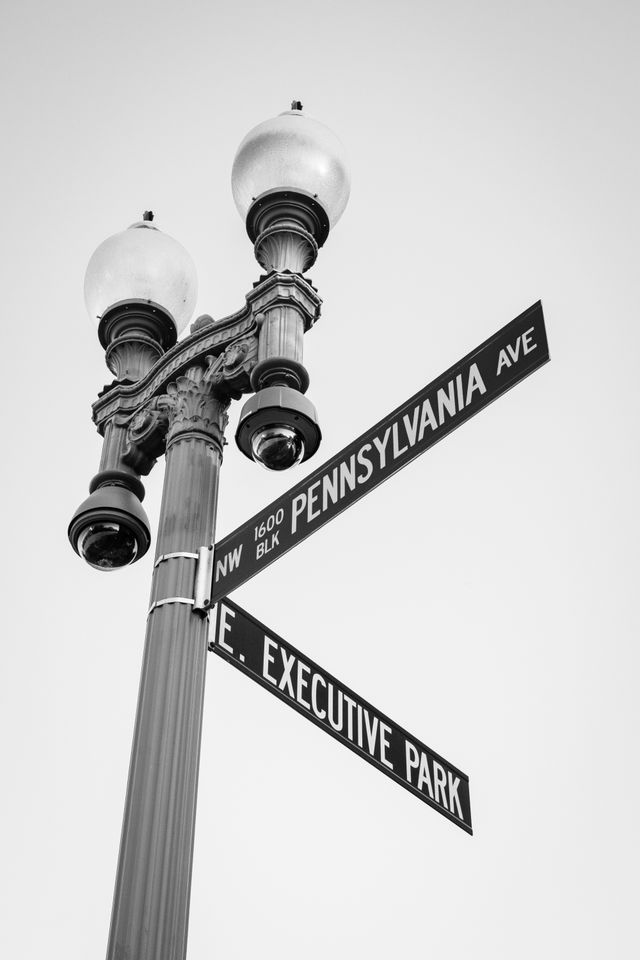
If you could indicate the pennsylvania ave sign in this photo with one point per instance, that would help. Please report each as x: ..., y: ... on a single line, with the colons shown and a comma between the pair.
x: 490, y: 370
x: 277, y: 666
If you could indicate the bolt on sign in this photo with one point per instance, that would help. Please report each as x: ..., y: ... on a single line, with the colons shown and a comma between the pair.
x: 261, y: 654
x: 486, y: 373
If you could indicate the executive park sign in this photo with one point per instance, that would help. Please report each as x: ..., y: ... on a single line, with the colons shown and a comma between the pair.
x: 490, y: 370
x: 277, y: 666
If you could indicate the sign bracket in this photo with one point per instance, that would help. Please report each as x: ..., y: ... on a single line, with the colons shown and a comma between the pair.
x: 204, y: 580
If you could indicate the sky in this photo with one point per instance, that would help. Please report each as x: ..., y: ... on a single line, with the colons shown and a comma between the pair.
x: 485, y: 597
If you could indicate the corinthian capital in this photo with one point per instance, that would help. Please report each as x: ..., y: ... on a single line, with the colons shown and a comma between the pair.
x: 193, y: 407
x: 197, y: 401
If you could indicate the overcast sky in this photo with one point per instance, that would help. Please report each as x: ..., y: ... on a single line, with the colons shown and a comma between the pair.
x: 485, y: 598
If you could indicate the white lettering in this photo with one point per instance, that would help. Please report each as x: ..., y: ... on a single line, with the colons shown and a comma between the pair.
x: 380, y: 445
x: 311, y: 498
x: 337, y: 725
x: 267, y: 658
x: 330, y: 488
x: 514, y: 351
x: 427, y: 418
x: 224, y: 626
x: 348, y: 475
x: 296, y: 509
x: 453, y: 794
x: 364, y: 462
x: 412, y: 759
x: 266, y: 546
x: 285, y: 679
x: 302, y: 684
x: 503, y: 361
x: 396, y: 451
x: 231, y: 560
x: 350, y: 705
x: 424, y: 776
x: 385, y: 733
x: 440, y: 778
x: 446, y: 401
x: 371, y: 731
x: 475, y: 382
x: 317, y: 678
x: 411, y: 426
x: 527, y: 346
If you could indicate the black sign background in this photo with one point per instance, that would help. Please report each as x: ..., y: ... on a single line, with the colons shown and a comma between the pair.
x: 248, y: 639
x: 503, y: 360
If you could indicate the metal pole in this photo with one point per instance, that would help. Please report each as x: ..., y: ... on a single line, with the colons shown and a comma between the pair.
x: 151, y: 902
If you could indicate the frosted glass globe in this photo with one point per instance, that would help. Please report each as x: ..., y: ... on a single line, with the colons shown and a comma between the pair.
x: 142, y: 263
x: 291, y: 152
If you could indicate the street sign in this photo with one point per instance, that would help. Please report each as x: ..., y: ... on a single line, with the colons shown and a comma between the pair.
x: 251, y: 647
x: 490, y: 370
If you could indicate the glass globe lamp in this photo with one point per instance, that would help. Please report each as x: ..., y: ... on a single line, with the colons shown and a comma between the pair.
x: 142, y: 265
x: 291, y: 154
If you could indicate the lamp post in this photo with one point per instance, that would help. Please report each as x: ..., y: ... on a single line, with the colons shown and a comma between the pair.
x: 291, y: 184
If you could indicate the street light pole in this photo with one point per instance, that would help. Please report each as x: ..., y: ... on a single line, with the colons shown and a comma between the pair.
x: 151, y: 901
x: 291, y: 184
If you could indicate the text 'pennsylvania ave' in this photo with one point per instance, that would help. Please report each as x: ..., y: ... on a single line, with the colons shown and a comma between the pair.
x: 498, y: 364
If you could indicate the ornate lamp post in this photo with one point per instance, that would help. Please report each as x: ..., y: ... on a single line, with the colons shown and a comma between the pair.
x: 291, y: 184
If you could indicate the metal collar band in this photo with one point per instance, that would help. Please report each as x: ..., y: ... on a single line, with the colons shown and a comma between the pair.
x: 178, y: 553
x: 160, y: 603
